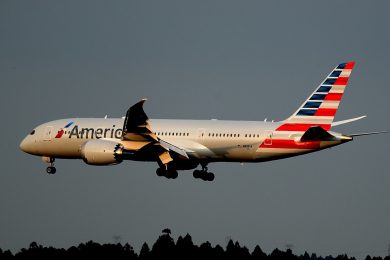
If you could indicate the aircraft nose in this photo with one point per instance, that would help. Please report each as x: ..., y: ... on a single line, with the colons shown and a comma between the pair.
x: 25, y: 145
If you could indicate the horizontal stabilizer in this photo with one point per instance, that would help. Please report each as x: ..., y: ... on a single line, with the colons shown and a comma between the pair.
x: 317, y: 133
x: 370, y: 133
x: 348, y: 121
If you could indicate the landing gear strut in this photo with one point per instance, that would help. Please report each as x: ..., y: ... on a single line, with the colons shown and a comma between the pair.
x: 50, y: 169
x: 204, y: 174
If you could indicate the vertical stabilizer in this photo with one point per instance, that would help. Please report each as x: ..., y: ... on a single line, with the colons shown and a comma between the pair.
x: 321, y: 106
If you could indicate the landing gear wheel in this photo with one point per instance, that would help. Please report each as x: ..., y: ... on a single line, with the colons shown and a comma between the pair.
x: 160, y: 172
x: 51, y: 170
x: 197, y: 174
x: 172, y: 174
x: 210, y: 176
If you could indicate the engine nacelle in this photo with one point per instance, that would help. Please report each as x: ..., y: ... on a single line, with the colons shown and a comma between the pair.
x: 102, y: 152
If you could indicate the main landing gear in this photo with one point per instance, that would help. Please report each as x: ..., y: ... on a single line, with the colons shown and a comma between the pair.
x: 50, y: 160
x: 167, y: 173
x: 204, y: 174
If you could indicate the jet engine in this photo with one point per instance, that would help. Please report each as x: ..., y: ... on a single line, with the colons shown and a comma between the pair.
x: 102, y: 152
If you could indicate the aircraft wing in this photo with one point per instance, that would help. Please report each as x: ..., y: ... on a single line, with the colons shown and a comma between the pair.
x: 136, y: 126
x: 139, y: 137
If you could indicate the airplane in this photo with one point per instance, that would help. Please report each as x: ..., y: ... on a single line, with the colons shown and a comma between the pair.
x: 186, y: 144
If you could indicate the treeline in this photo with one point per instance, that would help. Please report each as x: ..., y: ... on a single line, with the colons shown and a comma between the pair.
x: 164, y: 248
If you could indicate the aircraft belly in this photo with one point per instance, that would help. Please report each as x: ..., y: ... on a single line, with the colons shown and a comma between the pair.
x: 278, y: 153
x: 225, y: 151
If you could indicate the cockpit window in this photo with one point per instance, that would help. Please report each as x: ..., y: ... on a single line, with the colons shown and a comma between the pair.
x: 32, y: 132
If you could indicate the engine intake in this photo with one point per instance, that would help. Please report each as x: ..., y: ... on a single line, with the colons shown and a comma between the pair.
x: 102, y: 152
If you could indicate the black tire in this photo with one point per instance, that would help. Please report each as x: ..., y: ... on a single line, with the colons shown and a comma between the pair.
x: 197, y: 174
x: 173, y: 174
x: 210, y: 176
x: 51, y: 170
x: 160, y: 172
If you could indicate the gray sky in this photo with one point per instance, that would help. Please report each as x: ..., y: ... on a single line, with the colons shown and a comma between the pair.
x: 240, y: 60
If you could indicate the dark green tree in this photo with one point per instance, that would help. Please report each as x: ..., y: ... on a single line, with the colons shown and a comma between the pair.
x: 258, y: 253
x: 145, y: 252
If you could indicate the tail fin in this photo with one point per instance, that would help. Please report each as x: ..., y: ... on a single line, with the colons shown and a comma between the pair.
x: 321, y: 107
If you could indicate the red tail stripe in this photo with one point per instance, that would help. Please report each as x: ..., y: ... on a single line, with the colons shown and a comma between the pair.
x: 290, y: 144
x: 326, y: 112
x: 300, y: 127
x: 341, y: 81
x: 349, y: 65
x: 334, y: 96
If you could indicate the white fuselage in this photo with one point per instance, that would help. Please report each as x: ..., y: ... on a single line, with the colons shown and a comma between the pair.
x: 208, y: 140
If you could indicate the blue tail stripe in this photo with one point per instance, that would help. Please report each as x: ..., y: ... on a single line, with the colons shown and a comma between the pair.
x: 312, y: 105
x: 329, y: 81
x: 306, y: 112
x: 335, y: 73
x: 324, y: 89
x: 318, y: 97
x: 341, y: 66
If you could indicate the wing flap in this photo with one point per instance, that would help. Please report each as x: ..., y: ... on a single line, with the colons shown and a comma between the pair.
x: 174, y: 148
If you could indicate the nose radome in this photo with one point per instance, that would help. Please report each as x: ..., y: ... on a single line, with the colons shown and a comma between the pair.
x: 24, y: 145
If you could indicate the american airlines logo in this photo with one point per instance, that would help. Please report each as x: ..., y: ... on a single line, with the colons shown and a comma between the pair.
x: 62, y: 131
x: 90, y: 133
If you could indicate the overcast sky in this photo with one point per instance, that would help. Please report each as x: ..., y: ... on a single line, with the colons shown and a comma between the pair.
x: 238, y: 60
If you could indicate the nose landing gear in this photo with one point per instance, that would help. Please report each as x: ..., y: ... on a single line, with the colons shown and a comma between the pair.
x: 51, y: 169
x: 50, y: 160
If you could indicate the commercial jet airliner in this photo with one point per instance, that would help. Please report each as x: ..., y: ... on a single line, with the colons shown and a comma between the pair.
x: 186, y: 144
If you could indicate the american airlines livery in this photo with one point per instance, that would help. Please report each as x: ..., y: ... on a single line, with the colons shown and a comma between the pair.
x: 186, y: 144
